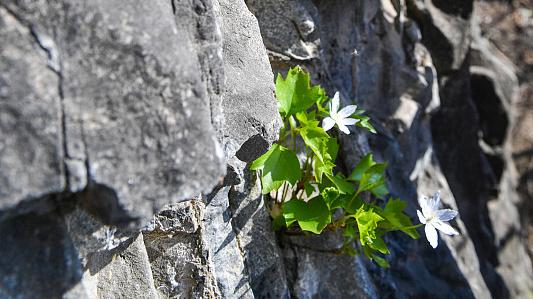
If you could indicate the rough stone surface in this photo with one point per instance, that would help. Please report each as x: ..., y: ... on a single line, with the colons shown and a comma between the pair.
x: 112, y: 109
x: 119, y: 120
x: 419, y: 80
x: 509, y: 26
x: 253, y: 227
x: 118, y: 86
x: 30, y: 118
x: 227, y: 255
x: 315, y: 269
x: 106, y: 272
x: 248, y: 99
x: 177, y: 253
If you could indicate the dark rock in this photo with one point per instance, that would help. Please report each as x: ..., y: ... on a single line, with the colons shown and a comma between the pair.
x: 37, y: 258
x: 113, y: 111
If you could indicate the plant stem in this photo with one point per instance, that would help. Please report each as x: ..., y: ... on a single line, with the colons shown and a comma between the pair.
x: 353, y: 198
x: 284, y: 193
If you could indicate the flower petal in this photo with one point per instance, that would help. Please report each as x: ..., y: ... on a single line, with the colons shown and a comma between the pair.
x: 328, y: 123
x: 347, y: 111
x: 335, y: 102
x: 421, y: 217
x: 445, y: 214
x: 434, y: 202
x: 344, y: 129
x: 445, y: 228
x: 431, y: 235
x: 423, y: 203
x: 349, y: 121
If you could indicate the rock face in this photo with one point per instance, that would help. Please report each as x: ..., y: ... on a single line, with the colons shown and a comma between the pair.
x: 109, y: 111
x: 126, y: 128
x: 113, y: 101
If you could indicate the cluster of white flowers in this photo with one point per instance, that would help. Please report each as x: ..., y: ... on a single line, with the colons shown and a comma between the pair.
x: 433, y: 217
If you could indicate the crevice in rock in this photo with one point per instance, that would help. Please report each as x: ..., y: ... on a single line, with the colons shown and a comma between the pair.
x: 102, y: 201
x: 252, y: 148
x: 453, y: 8
x: 493, y: 119
x: 47, y: 44
x: 173, y: 7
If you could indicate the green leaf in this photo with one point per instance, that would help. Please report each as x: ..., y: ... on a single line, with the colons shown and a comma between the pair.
x: 307, y: 119
x: 323, y: 146
x: 363, y: 165
x: 309, y: 189
x: 349, y: 250
x: 379, y: 245
x: 278, y: 222
x: 349, y: 229
x: 373, y: 177
x: 372, y: 255
x: 383, y: 263
x: 319, y: 168
x: 380, y: 191
x: 367, y: 223
x: 278, y: 164
x: 333, y: 148
x: 312, y: 216
x: 317, y: 139
x: 364, y: 122
x: 358, y: 112
x: 295, y: 93
x: 352, y: 206
x: 321, y: 96
x: 370, y: 175
x: 331, y: 196
x: 341, y: 183
x: 398, y: 220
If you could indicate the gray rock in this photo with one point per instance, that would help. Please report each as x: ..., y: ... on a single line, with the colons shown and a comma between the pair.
x: 496, y: 89
x: 370, y: 52
x: 111, y: 111
x: 124, y: 272
x: 254, y: 234
x: 299, y: 39
x: 31, y: 151
x: 90, y: 235
x: 248, y: 105
x: 178, y: 255
x: 316, y: 269
x: 224, y: 249
x: 445, y: 30
x: 476, y: 101
x: 121, y: 93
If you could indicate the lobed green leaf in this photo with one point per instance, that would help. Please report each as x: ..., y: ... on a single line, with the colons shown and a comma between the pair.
x: 278, y: 165
x: 295, y: 93
x: 373, y: 177
x: 312, y: 216
x: 393, y: 213
x: 363, y: 165
x: 367, y: 223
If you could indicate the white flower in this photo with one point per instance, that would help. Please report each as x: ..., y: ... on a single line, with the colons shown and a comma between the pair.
x: 434, y: 218
x: 341, y: 118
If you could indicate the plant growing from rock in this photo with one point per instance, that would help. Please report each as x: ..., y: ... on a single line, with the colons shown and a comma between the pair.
x: 298, y: 173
